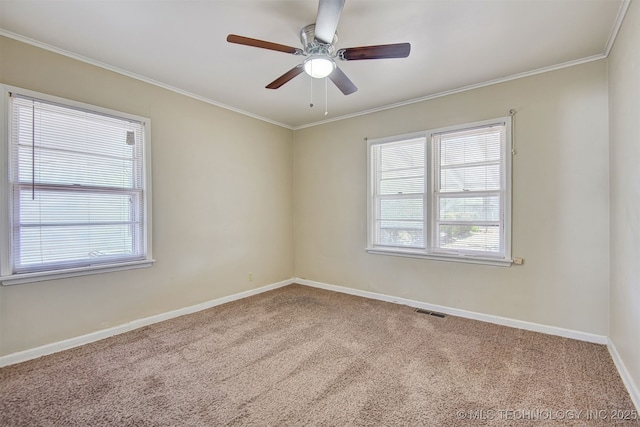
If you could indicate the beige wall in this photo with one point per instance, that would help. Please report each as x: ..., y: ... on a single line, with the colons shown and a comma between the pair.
x: 242, y: 184
x: 560, y: 203
x: 222, y: 207
x: 624, y: 113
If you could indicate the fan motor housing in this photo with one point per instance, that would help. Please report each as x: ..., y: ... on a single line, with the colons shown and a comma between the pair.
x: 314, y: 46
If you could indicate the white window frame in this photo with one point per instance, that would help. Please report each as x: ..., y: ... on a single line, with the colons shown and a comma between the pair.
x: 430, y: 251
x: 7, y: 276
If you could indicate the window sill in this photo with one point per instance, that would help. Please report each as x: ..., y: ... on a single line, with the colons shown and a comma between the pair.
x: 500, y: 262
x: 17, y: 279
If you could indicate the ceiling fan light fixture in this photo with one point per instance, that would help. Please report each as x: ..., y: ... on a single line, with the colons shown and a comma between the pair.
x: 319, y: 66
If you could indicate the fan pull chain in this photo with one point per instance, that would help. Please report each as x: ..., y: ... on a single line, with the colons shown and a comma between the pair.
x: 311, y: 87
x: 326, y: 96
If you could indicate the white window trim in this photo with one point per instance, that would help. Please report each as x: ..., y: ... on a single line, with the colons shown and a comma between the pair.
x: 429, y: 253
x: 6, y: 276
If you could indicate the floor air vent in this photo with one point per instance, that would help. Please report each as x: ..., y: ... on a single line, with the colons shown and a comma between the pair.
x: 431, y: 313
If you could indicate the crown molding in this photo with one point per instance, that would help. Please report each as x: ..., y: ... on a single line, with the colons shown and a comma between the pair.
x: 135, y: 76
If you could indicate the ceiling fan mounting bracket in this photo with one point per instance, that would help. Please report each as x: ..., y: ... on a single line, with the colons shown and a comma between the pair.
x: 313, y: 46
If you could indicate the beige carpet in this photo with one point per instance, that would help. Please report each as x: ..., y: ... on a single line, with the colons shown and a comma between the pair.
x: 304, y: 356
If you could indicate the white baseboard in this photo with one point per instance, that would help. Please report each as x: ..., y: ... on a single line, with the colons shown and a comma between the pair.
x: 55, y: 347
x: 505, y: 321
x: 139, y: 323
x: 624, y: 374
x: 105, y: 333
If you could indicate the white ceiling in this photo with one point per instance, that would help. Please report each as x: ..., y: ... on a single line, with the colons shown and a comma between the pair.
x: 181, y: 44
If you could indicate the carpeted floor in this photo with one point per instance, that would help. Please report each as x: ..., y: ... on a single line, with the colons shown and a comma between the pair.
x: 304, y: 356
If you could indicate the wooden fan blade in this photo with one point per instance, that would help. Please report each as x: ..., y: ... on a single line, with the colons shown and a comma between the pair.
x: 232, y: 38
x: 285, y: 77
x: 329, y: 12
x: 398, y: 50
x: 340, y: 79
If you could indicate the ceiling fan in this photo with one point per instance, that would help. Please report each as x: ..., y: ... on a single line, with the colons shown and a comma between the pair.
x: 318, y: 46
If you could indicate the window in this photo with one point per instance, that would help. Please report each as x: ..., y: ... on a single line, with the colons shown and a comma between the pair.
x: 77, y: 189
x: 443, y: 194
x: 399, y: 188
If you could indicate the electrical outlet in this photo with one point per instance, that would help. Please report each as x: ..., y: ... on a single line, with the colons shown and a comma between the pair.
x: 251, y: 277
x: 518, y: 261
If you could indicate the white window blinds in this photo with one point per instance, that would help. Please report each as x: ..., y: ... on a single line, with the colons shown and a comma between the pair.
x: 399, y: 187
x: 443, y: 193
x: 469, y: 190
x: 76, y: 182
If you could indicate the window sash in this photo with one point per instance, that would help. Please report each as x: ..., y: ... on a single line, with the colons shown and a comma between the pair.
x: 476, y: 156
x: 399, y: 183
x: 470, y: 229
x: 403, y: 229
x: 77, y: 196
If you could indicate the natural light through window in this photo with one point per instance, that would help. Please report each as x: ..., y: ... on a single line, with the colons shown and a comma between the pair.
x: 443, y: 193
x: 77, y: 187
